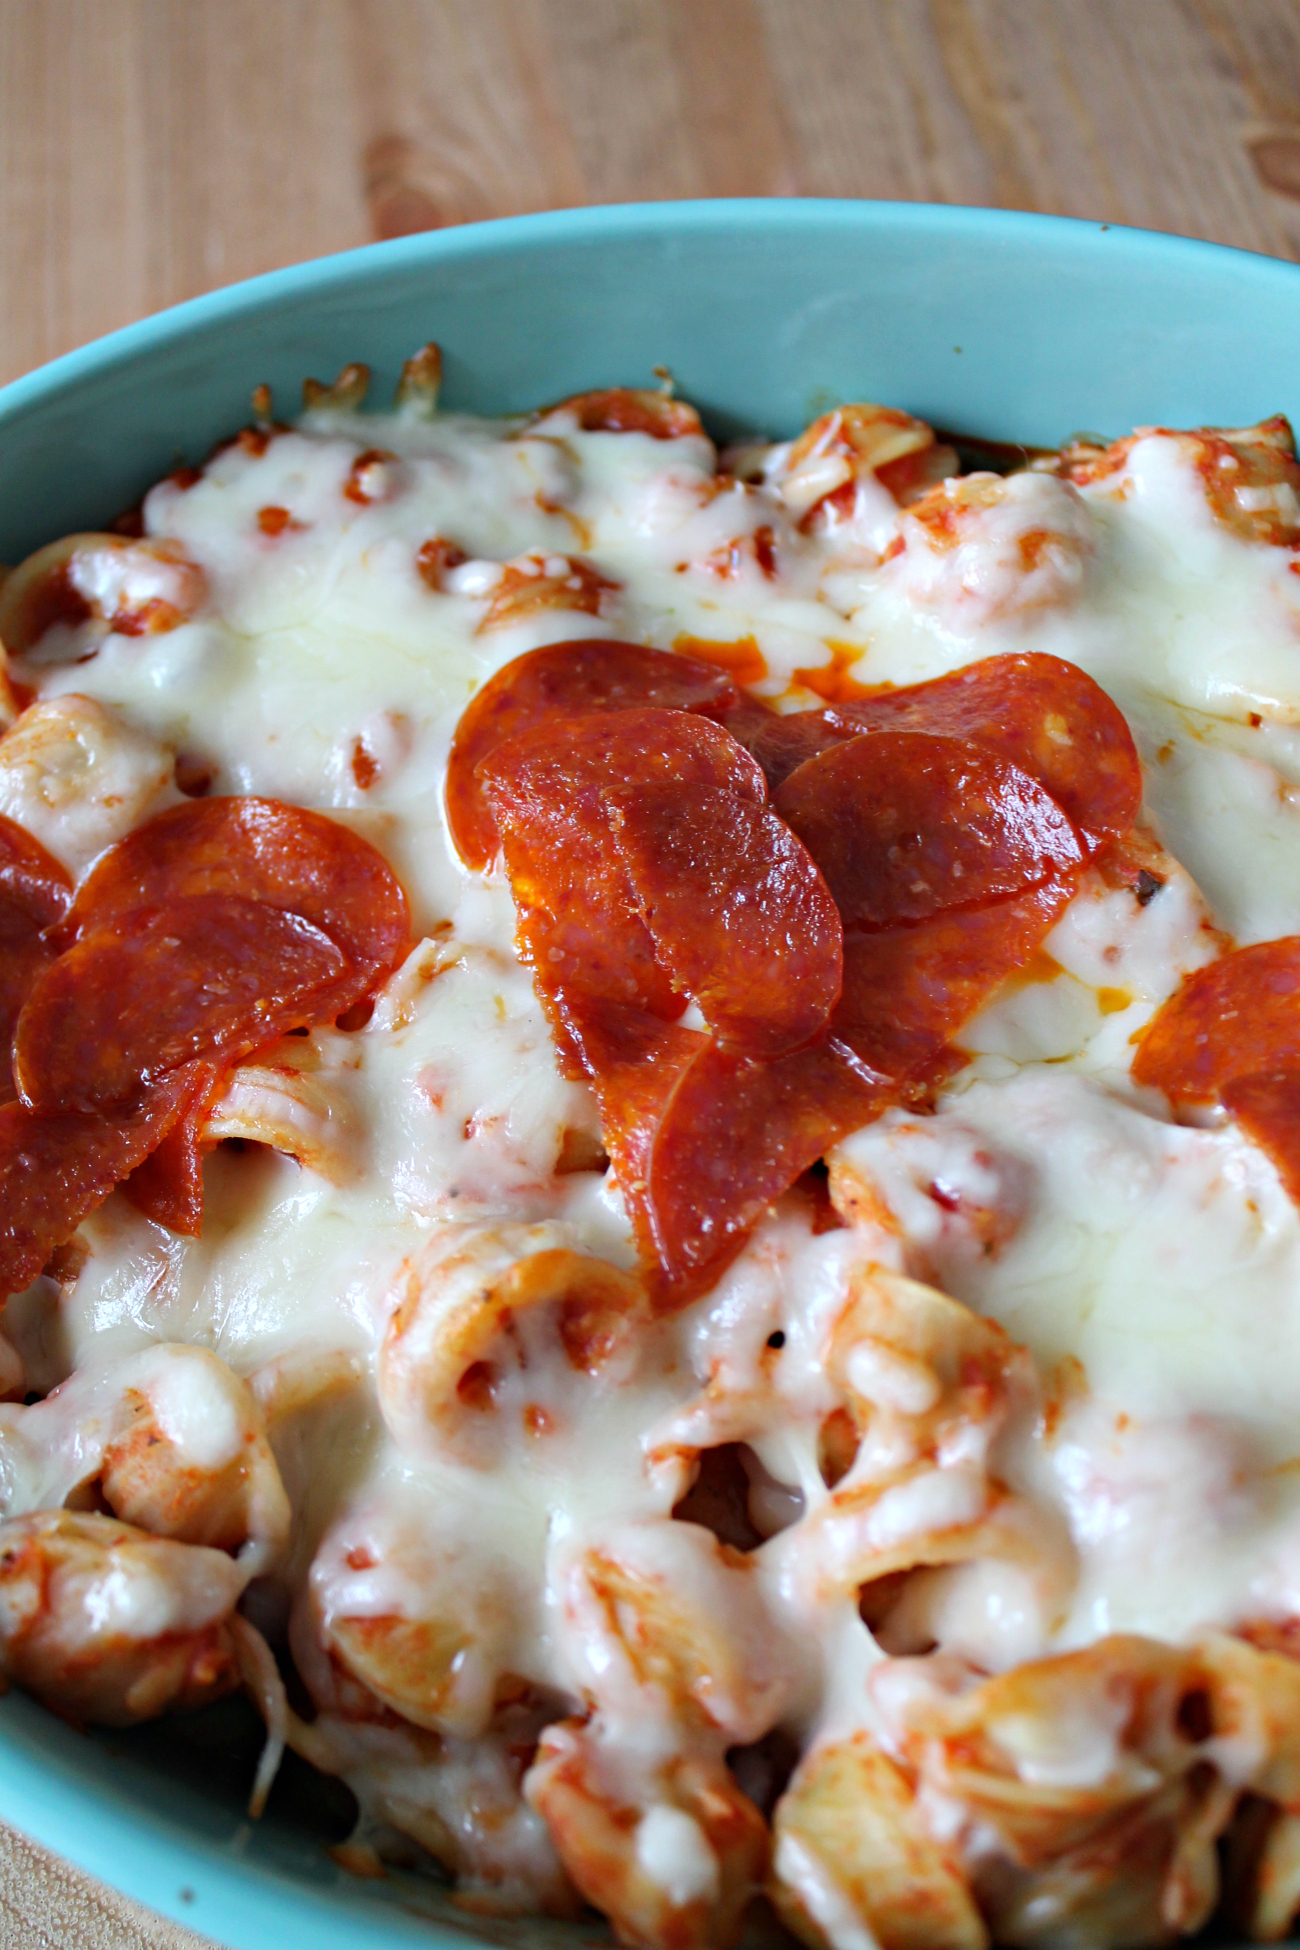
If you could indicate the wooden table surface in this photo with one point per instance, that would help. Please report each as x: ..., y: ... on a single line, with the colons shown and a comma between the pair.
x: 152, y: 149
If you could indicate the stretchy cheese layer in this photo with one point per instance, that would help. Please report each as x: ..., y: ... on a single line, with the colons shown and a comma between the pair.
x: 1143, y: 1473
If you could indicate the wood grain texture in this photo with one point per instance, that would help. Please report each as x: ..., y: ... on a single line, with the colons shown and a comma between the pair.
x: 153, y: 149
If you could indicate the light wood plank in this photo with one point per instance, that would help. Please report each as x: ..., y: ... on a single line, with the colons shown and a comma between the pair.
x: 150, y: 149
x: 463, y: 98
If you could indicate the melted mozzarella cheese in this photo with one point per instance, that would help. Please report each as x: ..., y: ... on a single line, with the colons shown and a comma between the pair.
x: 1152, y: 1270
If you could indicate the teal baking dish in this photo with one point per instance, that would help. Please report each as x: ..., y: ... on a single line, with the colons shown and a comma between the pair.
x: 1003, y: 325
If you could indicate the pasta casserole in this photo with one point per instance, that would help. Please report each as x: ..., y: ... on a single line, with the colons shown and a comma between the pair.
x: 649, y: 1157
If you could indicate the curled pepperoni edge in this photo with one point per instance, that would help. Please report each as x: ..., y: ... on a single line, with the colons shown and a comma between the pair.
x: 35, y: 894
x: 764, y: 1121
x: 1266, y: 1107
x: 1039, y: 712
x: 551, y: 788
x: 167, y: 1185
x: 1237, y: 1016
x: 575, y: 678
x: 674, y: 1102
x: 206, y: 976
x: 260, y: 849
x: 32, y: 877
x: 909, y: 991
x: 1231, y: 1034
x: 90, y: 1151
x: 631, y: 1053
x: 54, y: 1171
x: 906, y: 825
x: 778, y: 975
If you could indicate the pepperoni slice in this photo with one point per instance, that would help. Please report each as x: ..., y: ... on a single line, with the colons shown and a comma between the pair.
x: 702, y: 1139
x: 906, y: 826
x: 1238, y: 1017
x: 950, y: 866
x: 580, y: 758
x: 24, y: 957
x: 207, y: 932
x: 739, y: 915
x: 32, y: 877
x: 560, y: 681
x: 909, y: 990
x: 207, y: 975
x: 734, y: 1135
x: 35, y: 892
x: 634, y: 1061
x: 550, y: 791
x: 647, y: 866
x: 1231, y: 1035
x: 54, y: 1171
x: 258, y: 850
x: 780, y: 744
x: 1267, y: 1108
x: 1039, y: 712
x: 168, y: 1186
